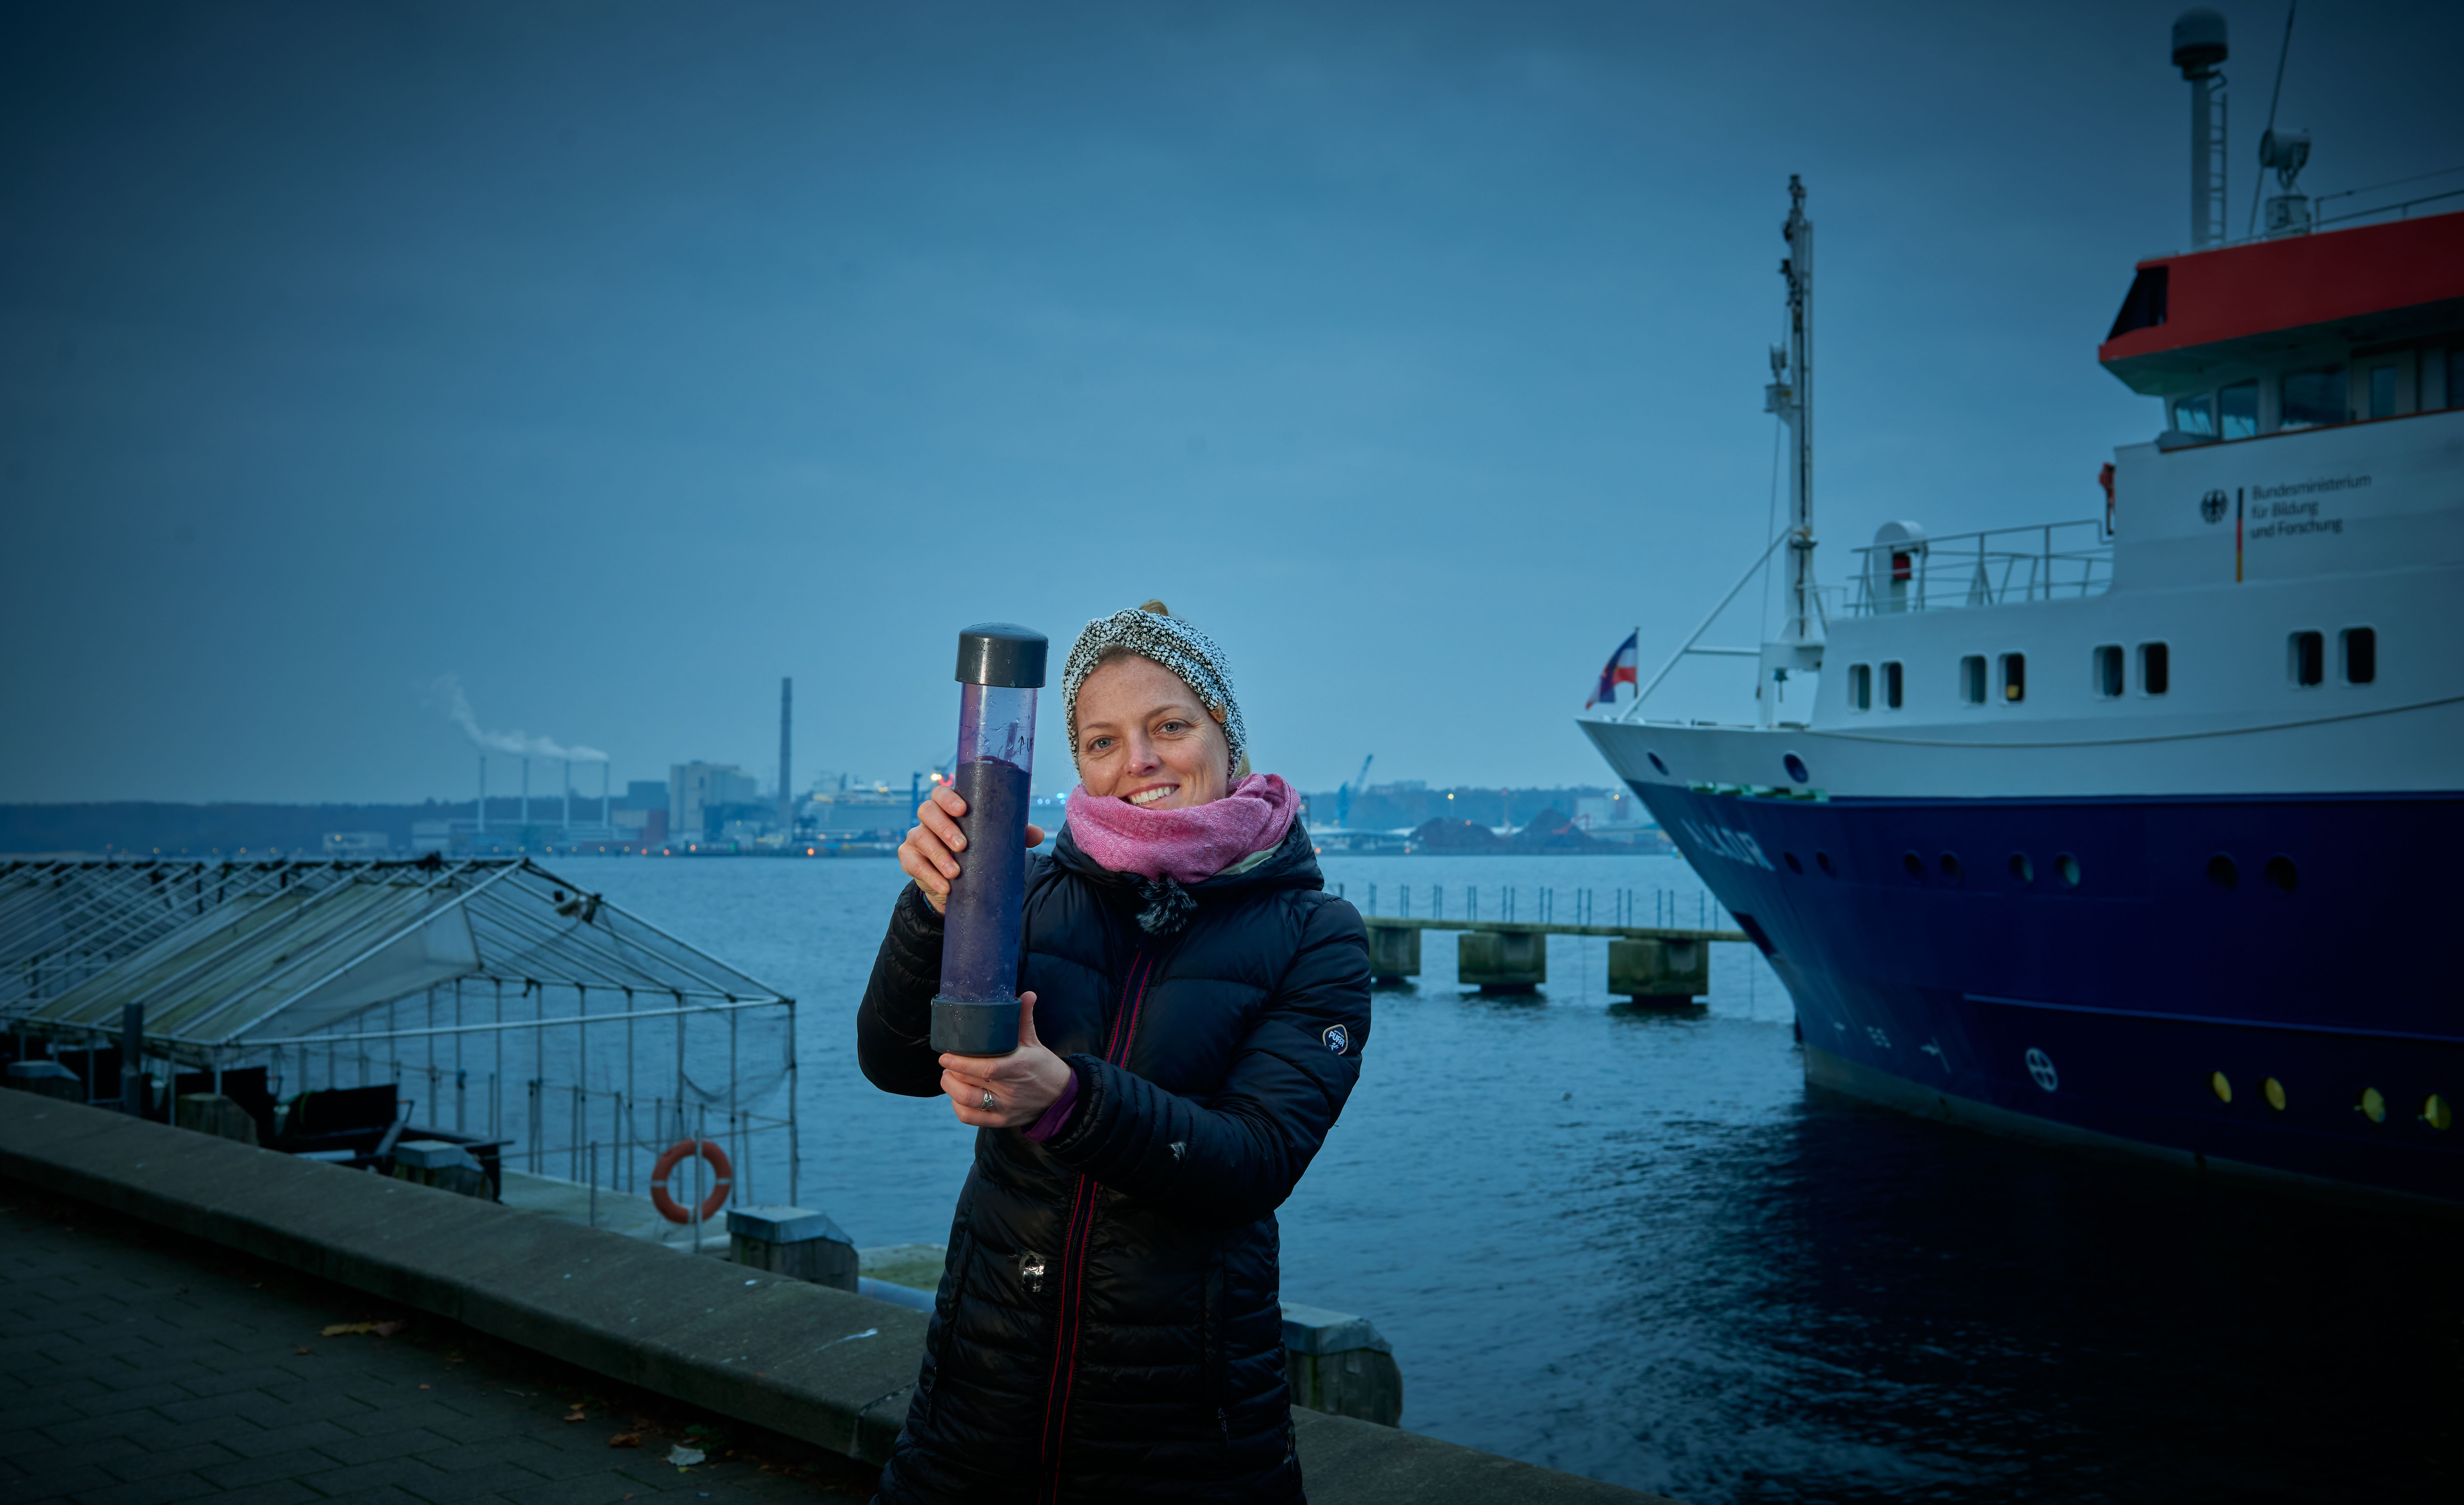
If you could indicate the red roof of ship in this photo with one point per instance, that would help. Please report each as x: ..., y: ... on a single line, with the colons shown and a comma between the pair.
x: 2240, y: 303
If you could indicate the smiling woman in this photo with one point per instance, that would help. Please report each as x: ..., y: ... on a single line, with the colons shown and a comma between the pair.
x: 1195, y: 1009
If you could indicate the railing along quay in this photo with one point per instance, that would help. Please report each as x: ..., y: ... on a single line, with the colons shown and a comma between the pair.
x: 1623, y: 932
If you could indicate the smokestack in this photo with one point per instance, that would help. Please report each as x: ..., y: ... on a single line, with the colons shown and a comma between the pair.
x: 787, y: 762
x: 2198, y: 46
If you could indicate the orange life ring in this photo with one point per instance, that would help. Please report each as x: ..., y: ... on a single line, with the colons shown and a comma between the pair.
x: 722, y: 1174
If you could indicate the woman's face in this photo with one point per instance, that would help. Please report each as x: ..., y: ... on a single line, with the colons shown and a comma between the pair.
x: 1143, y: 738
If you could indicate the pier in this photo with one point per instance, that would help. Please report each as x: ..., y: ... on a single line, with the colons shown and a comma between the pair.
x: 1655, y: 963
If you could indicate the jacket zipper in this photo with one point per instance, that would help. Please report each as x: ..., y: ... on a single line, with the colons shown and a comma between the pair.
x: 1073, y: 1252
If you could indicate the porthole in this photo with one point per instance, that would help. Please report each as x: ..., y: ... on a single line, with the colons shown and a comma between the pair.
x: 2221, y: 1085
x: 1793, y: 865
x: 1822, y: 860
x: 2281, y: 875
x: 2104, y: 671
x: 2305, y: 659
x: 2273, y: 1091
x: 1657, y: 764
x: 2360, y: 650
x: 2372, y: 1105
x: 2436, y: 1113
x: 2022, y: 871
x: 2222, y: 872
x: 1971, y: 679
x: 2015, y: 678
x: 2155, y: 668
x: 1914, y: 865
x: 1950, y: 870
x: 1796, y: 767
x: 2066, y: 868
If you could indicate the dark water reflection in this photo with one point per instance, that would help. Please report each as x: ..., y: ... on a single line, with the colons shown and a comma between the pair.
x: 1634, y: 1245
x: 1853, y: 1305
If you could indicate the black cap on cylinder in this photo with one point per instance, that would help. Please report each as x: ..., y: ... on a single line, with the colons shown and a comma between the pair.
x: 1002, y: 653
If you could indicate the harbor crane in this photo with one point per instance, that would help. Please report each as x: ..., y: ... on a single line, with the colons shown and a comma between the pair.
x: 1343, y: 794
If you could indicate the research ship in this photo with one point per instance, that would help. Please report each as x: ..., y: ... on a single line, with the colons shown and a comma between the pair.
x: 2137, y: 831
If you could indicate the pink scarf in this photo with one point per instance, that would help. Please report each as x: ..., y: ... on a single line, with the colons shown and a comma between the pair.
x: 1188, y: 845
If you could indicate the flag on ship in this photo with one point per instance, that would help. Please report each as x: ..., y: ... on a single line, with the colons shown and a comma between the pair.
x: 1620, y: 670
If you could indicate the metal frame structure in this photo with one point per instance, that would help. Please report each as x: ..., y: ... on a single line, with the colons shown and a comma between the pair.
x: 426, y: 970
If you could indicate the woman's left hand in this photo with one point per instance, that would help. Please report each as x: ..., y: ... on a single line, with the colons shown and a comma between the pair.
x: 1023, y: 1084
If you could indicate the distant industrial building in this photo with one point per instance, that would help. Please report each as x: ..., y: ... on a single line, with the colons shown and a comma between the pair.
x: 699, y: 798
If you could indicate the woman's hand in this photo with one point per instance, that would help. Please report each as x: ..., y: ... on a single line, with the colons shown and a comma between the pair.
x: 1023, y: 1084
x: 927, y: 854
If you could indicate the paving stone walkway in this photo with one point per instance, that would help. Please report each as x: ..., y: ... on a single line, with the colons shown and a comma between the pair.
x: 135, y: 1370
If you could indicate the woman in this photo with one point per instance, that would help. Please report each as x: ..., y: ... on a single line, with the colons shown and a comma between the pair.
x: 1108, y: 1326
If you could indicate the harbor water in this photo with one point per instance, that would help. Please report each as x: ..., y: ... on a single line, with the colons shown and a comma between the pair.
x: 1633, y: 1244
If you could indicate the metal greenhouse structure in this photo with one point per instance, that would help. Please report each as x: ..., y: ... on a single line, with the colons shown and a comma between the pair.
x: 504, y: 1003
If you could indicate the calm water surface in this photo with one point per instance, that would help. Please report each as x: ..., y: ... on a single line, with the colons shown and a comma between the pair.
x: 1634, y: 1245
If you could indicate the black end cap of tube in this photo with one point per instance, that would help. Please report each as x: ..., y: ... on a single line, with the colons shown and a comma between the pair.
x: 969, y: 1028
x: 1002, y: 653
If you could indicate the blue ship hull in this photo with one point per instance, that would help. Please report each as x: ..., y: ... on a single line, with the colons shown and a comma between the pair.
x: 2076, y: 970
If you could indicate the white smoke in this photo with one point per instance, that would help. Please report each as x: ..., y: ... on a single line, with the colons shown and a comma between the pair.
x: 445, y: 693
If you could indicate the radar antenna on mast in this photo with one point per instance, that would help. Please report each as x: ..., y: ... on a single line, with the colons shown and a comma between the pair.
x: 2198, y: 46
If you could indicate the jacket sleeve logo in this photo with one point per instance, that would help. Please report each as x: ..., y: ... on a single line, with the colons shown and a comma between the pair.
x: 1338, y: 1039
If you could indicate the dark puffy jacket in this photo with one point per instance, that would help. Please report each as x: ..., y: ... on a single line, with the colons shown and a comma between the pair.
x: 1108, y: 1325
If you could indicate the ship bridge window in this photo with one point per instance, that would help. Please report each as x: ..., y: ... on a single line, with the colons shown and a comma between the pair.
x: 1971, y: 679
x: 1894, y: 681
x: 1861, y: 687
x: 2383, y: 392
x: 2108, y: 677
x: 2155, y: 668
x: 2195, y: 415
x: 2015, y: 678
x: 2237, y: 411
x: 2143, y: 307
x: 2359, y: 648
x: 2305, y: 658
x: 2315, y: 399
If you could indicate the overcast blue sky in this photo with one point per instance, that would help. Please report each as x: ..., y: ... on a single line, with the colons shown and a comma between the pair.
x: 621, y: 359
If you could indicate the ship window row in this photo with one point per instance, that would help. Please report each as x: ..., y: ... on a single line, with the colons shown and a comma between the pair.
x: 2357, y: 656
x: 1861, y: 685
x: 2387, y: 386
x: 2110, y: 666
x: 2005, y: 676
x: 2109, y: 669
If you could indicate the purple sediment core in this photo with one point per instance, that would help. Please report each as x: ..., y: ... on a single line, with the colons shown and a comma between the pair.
x: 980, y: 939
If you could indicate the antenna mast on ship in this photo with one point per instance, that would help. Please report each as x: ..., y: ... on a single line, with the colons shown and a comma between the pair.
x: 1790, y: 395
x: 1798, y: 648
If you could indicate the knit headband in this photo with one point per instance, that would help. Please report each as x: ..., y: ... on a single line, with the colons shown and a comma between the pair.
x: 1168, y: 640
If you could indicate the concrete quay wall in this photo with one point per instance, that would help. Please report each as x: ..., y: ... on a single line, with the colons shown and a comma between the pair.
x: 827, y: 1366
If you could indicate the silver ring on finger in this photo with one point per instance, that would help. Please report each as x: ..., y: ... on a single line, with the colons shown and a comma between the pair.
x: 990, y: 1102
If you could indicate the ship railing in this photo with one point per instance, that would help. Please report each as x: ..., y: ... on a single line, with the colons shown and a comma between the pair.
x: 1995, y: 567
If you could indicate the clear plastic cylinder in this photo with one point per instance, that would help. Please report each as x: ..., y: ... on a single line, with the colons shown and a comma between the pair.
x: 976, y: 1013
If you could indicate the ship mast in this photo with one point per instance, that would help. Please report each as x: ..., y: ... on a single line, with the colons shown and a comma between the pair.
x: 1799, y: 647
